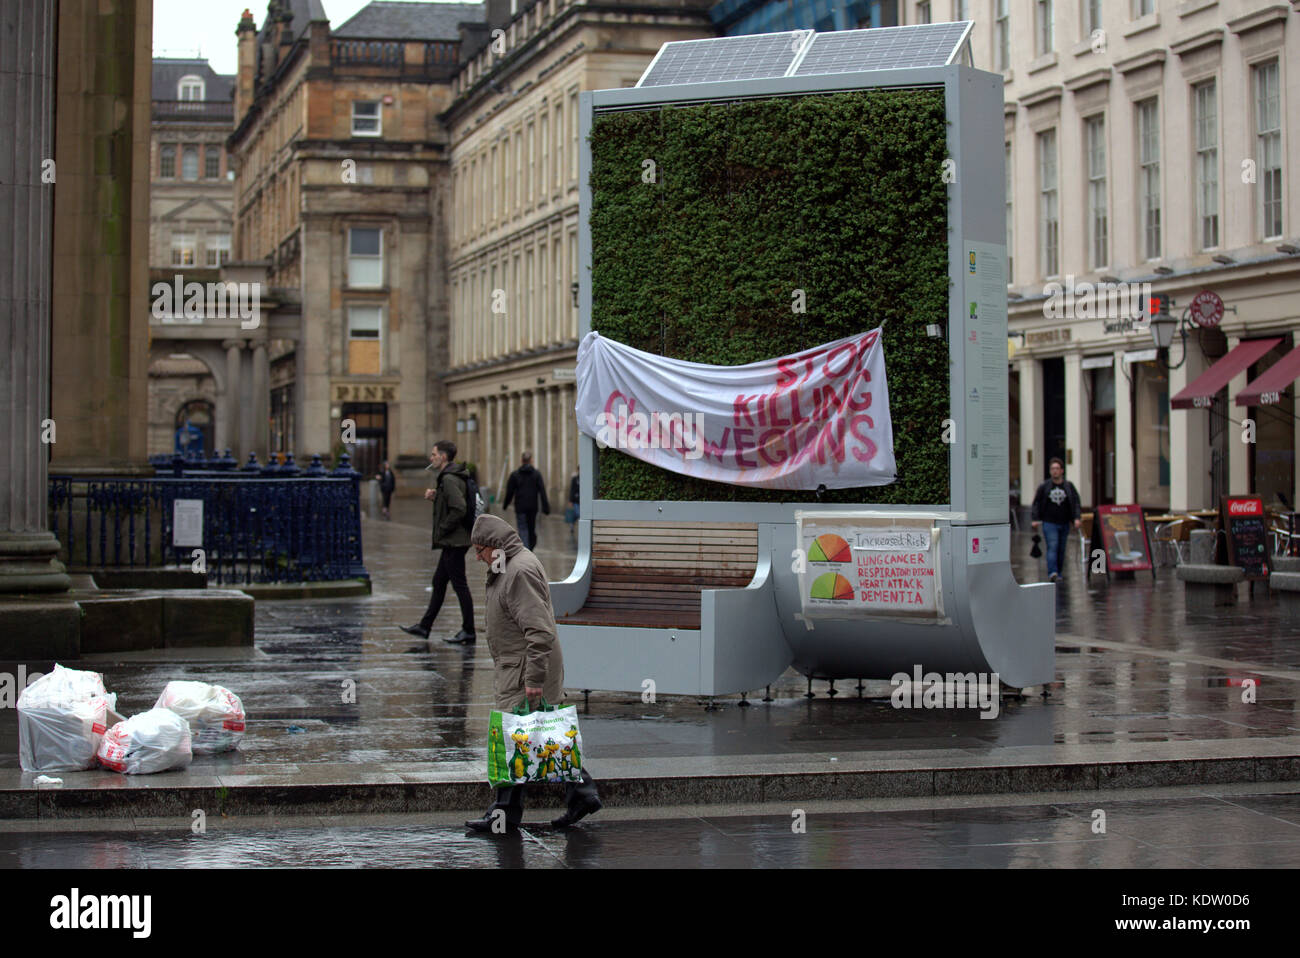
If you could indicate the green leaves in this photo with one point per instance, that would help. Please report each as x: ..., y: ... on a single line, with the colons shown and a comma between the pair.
x: 838, y: 195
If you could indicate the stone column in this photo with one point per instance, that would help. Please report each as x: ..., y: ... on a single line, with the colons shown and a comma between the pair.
x: 261, y: 404
x: 1032, y: 468
x: 1078, y: 428
x: 28, y: 550
x: 566, y: 458
x: 234, y: 437
x: 102, y: 301
x: 1125, y: 449
x: 511, y: 453
x: 1238, y: 451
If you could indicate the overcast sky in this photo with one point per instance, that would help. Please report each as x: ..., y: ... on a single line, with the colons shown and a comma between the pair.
x: 186, y: 28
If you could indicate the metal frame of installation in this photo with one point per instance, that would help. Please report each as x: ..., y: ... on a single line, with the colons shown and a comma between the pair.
x: 978, y: 618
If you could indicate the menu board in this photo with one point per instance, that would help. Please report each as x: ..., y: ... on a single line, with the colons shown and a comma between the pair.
x: 1123, y: 536
x: 1245, y: 523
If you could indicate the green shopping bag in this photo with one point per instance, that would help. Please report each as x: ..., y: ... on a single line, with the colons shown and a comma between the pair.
x: 539, y: 746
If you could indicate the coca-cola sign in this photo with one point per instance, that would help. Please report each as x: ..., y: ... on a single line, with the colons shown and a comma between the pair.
x: 1245, y: 507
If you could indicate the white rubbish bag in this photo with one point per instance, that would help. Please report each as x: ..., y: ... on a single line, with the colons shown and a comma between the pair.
x: 215, y: 714
x: 153, y: 741
x: 62, y: 717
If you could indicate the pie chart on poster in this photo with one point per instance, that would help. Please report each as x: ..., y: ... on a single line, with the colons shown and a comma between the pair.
x: 831, y: 585
x: 828, y: 547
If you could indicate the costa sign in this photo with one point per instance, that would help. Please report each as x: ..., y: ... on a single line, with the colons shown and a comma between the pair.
x: 1206, y: 309
x: 1245, y: 507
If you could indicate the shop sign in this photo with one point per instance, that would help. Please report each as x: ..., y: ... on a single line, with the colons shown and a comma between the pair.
x: 1246, y: 526
x: 365, y: 392
x: 1121, y: 532
x: 1206, y: 309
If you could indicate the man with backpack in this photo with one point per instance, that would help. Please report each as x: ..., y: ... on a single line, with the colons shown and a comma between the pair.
x: 527, y: 489
x: 453, y: 496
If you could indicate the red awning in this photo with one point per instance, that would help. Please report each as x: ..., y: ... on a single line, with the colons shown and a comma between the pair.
x: 1273, y: 383
x: 1201, y: 392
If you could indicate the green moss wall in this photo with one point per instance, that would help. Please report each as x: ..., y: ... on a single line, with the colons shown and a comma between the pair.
x: 838, y: 195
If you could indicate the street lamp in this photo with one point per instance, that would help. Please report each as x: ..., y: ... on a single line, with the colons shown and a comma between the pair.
x: 1163, y: 326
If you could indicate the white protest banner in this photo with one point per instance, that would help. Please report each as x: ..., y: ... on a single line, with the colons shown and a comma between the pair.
x: 819, y: 417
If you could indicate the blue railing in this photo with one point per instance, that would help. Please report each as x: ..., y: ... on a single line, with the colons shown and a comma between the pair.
x: 255, y: 528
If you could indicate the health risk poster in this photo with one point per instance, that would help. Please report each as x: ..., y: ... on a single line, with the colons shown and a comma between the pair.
x: 868, y: 566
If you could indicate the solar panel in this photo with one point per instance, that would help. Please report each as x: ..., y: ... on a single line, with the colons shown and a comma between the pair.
x: 804, y: 53
x: 884, y: 48
x: 724, y: 58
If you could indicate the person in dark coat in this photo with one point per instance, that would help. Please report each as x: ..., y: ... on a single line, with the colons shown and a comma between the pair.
x: 527, y: 490
x: 1056, y: 506
x: 573, y: 513
x: 526, y: 659
x: 387, y: 483
x: 450, y: 503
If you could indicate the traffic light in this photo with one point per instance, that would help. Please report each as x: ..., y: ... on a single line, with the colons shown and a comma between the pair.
x: 1158, y: 305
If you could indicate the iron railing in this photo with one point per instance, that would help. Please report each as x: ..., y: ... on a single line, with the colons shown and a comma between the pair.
x: 255, y: 528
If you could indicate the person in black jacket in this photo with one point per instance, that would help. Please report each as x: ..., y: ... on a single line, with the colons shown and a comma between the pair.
x: 387, y: 483
x: 450, y: 505
x: 526, y: 489
x: 573, y: 513
x: 1056, y: 506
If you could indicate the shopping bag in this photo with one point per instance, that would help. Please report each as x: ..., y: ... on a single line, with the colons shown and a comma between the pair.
x: 540, y: 746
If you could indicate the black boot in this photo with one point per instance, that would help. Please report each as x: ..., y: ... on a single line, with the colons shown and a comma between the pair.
x: 581, y: 799
x: 510, y: 801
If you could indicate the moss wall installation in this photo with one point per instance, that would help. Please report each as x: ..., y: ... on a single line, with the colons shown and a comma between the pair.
x: 838, y: 195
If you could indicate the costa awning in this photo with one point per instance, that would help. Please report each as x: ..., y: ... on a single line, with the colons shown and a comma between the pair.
x: 1201, y: 392
x: 1268, y: 388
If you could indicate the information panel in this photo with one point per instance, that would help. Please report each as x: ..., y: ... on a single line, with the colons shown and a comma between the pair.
x: 854, y: 566
x: 984, y: 447
x: 187, y: 523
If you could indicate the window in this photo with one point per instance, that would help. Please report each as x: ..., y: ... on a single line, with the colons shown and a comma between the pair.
x: 365, y: 340
x: 923, y: 13
x: 1048, y: 217
x: 1206, y: 109
x: 218, y: 249
x: 211, y: 163
x: 1011, y: 243
x: 167, y: 161
x: 1002, y: 33
x: 365, y: 257
x: 1268, y: 152
x: 532, y: 163
x: 961, y: 9
x: 558, y: 173
x: 1044, y: 27
x: 517, y: 187
x: 183, y: 249
x: 543, y: 170
x: 1098, y: 225
x: 573, y: 135
x: 366, y: 118
x: 1142, y: 8
x: 1149, y: 176
x: 190, y: 163
x: 1091, y: 17
x: 189, y: 88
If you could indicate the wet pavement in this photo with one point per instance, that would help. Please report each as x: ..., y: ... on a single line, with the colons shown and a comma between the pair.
x: 1228, y: 827
x: 336, y: 693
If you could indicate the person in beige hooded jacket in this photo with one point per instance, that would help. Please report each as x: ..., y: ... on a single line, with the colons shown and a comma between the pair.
x: 526, y: 655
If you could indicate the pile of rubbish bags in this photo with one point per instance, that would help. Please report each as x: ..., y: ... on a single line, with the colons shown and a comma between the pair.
x: 67, y: 722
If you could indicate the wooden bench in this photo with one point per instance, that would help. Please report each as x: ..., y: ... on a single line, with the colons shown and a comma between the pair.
x: 650, y: 574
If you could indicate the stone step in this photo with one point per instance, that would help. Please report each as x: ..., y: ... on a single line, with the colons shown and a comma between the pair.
x: 1284, y: 581
x: 1285, y: 563
x: 1210, y: 574
x: 699, y: 780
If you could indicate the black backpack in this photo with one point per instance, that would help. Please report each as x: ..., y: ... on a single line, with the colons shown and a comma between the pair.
x: 473, y: 501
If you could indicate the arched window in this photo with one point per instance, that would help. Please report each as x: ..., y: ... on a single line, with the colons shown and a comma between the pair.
x: 189, y: 88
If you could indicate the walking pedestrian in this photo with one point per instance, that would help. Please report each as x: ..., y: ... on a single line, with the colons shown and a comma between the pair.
x: 527, y: 489
x: 387, y: 483
x: 526, y: 659
x: 1056, y: 506
x: 451, y: 535
x: 572, y: 514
